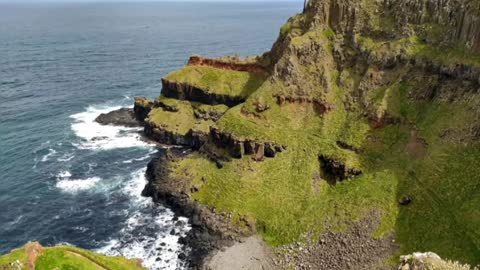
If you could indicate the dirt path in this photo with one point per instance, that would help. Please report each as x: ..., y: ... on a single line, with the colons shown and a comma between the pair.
x: 33, y: 250
x: 252, y: 254
x: 93, y: 261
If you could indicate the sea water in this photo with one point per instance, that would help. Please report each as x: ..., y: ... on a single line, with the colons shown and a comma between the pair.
x: 65, y: 179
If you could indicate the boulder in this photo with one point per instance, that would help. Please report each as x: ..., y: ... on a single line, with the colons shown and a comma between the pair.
x: 121, y: 117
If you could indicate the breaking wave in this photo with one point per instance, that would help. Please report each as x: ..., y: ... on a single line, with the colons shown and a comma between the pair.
x: 100, y: 137
x: 150, y: 233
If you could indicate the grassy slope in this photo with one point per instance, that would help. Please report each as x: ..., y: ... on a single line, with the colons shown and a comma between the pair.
x: 444, y: 184
x: 284, y: 200
x: 180, y: 122
x: 218, y: 81
x: 284, y: 197
x: 66, y: 257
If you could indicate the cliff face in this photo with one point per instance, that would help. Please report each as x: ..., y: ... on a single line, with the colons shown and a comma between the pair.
x: 364, y: 107
x: 457, y: 19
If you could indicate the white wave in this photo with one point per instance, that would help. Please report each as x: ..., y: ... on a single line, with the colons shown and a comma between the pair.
x: 96, y: 136
x: 66, y: 157
x: 64, y: 175
x: 76, y: 185
x: 47, y: 156
x: 135, y: 159
x: 146, y: 233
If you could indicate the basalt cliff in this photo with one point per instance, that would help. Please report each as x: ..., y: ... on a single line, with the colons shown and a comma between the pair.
x: 355, y: 139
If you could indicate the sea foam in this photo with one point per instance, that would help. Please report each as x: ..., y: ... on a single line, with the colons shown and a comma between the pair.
x: 76, y: 185
x: 146, y: 234
x: 100, y: 137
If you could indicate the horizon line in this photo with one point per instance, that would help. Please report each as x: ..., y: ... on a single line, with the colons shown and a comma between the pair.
x: 143, y: 1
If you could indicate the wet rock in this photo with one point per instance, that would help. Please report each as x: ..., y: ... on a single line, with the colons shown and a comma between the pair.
x: 179, y: 223
x: 122, y: 117
x: 99, y: 138
x: 182, y: 256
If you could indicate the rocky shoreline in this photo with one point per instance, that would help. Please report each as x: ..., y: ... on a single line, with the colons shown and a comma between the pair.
x: 211, y: 231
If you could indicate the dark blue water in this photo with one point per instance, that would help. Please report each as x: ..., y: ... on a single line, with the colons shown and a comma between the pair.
x: 63, y: 64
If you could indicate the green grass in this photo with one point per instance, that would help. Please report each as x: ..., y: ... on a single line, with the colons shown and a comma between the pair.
x: 15, y: 255
x: 218, y: 81
x: 281, y: 196
x: 68, y: 258
x: 294, y: 26
x: 180, y: 122
x: 414, y: 46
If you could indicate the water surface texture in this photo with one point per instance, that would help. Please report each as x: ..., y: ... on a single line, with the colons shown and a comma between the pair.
x: 65, y: 179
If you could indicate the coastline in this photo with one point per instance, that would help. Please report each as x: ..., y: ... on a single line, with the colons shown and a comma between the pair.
x: 212, y: 242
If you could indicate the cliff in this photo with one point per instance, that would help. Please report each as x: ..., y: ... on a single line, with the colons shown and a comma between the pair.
x: 364, y: 115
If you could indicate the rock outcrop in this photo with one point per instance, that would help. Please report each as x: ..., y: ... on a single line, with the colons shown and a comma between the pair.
x: 192, y: 139
x: 196, y: 60
x: 185, y: 91
x: 335, y: 170
x: 122, y: 117
x: 142, y: 108
x: 429, y: 261
x: 240, y: 147
x: 210, y: 230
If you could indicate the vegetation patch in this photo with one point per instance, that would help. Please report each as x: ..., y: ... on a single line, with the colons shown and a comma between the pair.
x: 218, y: 81
x: 63, y: 257
x: 180, y: 121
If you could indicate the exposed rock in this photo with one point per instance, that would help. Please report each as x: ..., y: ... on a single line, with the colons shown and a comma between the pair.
x: 353, y: 249
x: 405, y: 200
x: 184, y: 91
x: 196, y: 60
x: 142, y: 108
x: 240, y: 147
x: 121, y: 117
x: 165, y: 106
x: 210, y: 231
x: 421, y: 261
x: 335, y: 170
x: 347, y: 146
x: 193, y: 139
x: 209, y: 114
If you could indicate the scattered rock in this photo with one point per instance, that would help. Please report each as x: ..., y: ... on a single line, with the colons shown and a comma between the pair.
x: 405, y: 200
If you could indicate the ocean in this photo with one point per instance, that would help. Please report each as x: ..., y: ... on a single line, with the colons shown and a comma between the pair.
x: 65, y: 179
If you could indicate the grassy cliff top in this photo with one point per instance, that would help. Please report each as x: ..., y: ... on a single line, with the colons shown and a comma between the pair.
x: 179, y: 121
x: 218, y: 81
x: 34, y: 256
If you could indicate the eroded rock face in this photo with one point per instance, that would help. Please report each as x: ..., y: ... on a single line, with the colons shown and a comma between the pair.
x: 184, y: 91
x: 239, y: 147
x: 142, y: 108
x: 196, y: 60
x: 210, y: 230
x: 335, y: 170
x: 459, y: 17
x: 192, y: 139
